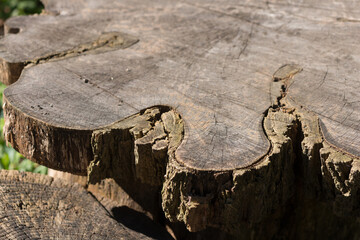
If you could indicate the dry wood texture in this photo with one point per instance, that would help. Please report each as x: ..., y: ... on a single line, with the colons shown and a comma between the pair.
x: 213, y: 62
x: 34, y: 206
x: 220, y: 105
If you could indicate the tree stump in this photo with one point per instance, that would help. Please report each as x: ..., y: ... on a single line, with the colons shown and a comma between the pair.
x: 35, y: 206
x: 238, y: 117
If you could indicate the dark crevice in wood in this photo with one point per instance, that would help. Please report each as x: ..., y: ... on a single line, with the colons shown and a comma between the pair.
x: 133, y: 152
x: 138, y: 222
x: 289, y: 221
x: 141, y: 133
x: 299, y: 180
x: 10, y: 72
x: 1, y: 29
x: 111, y: 40
x: 201, y: 200
x: 13, y: 30
x: 310, y: 195
x: 341, y: 19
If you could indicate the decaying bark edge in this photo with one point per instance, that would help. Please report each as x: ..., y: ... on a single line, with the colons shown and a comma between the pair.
x: 300, y: 168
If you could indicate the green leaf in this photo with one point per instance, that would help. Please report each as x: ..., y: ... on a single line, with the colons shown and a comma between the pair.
x: 5, y: 161
x: 41, y: 169
x: 10, y: 8
x: 2, y: 149
x: 15, y: 12
x: 14, y: 158
x: 26, y: 166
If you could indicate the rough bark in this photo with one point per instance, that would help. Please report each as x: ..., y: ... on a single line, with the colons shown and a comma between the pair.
x: 292, y: 185
x: 243, y: 118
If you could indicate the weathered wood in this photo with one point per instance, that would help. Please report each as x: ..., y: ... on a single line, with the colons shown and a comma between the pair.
x: 158, y: 68
x: 184, y: 65
x: 34, y: 206
x: 120, y: 201
x: 235, y: 112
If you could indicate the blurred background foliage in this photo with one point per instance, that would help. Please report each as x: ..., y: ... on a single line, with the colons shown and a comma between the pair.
x: 11, y: 8
x: 9, y: 158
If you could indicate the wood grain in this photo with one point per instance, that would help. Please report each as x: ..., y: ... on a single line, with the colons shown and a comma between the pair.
x: 211, y: 61
x: 114, y: 87
x: 34, y: 206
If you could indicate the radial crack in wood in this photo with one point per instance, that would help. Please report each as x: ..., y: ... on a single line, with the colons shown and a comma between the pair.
x: 214, y: 65
x: 166, y: 64
x: 164, y: 73
x: 12, y: 61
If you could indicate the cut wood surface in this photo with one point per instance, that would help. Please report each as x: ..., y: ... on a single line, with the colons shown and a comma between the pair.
x: 34, y: 206
x: 234, y: 111
x: 212, y: 62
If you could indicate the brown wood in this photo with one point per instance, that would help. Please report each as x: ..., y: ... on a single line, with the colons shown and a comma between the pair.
x: 234, y: 111
x: 158, y: 69
x: 34, y: 206
x: 187, y: 57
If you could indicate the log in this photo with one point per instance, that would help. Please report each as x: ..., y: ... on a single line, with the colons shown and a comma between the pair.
x: 36, y: 206
x: 230, y: 116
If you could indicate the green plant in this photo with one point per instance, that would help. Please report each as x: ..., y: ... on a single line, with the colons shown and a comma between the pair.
x: 10, y: 8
